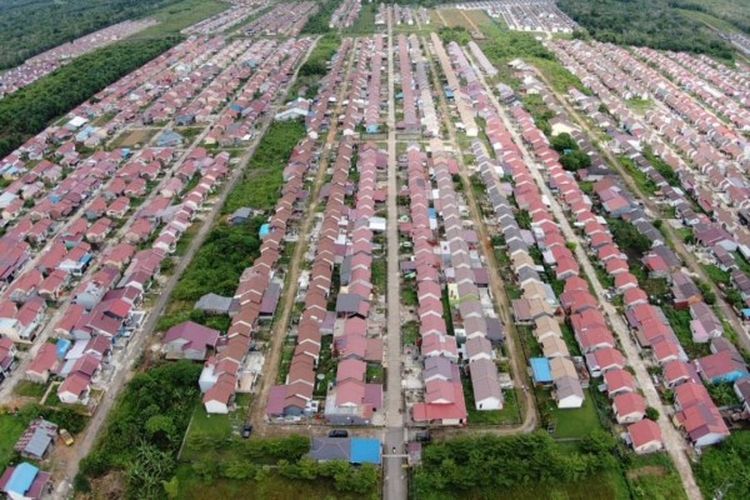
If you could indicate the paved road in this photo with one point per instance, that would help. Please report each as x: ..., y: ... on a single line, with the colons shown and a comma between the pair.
x: 688, y: 257
x: 517, y: 358
x: 674, y: 443
x: 394, y: 484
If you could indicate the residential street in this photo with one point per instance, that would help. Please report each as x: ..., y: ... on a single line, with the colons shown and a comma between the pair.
x: 394, y: 484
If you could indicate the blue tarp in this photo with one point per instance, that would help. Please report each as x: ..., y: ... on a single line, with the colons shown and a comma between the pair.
x: 365, y: 451
x: 541, y: 369
x: 22, y: 478
x: 265, y: 229
x: 746, y: 312
x: 62, y: 347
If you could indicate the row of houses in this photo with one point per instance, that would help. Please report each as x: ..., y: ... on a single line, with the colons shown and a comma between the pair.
x: 454, y: 90
x: 444, y: 402
x: 526, y: 15
x: 257, y: 294
x: 283, y: 20
x: 345, y: 14
x: 354, y: 399
x: 221, y: 22
x: 650, y: 326
x: 295, y: 398
x: 538, y: 305
x: 45, y: 63
x: 235, y: 126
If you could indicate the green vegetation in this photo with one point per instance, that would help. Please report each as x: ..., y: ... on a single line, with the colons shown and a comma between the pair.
x: 575, y: 423
x: 144, y: 431
x: 214, y: 457
x: 661, y: 166
x: 644, y: 183
x: 365, y: 23
x: 235, y: 244
x: 628, y: 238
x: 639, y: 105
x: 319, y: 22
x: 723, y: 469
x: 723, y: 394
x: 523, y: 466
x: 28, y: 27
x: 509, y: 415
x: 28, y: 111
x: 654, y: 476
x: 316, y: 66
x: 716, y: 274
x: 571, y: 157
x: 180, y: 15
x: 649, y: 23
x: 29, y: 389
x: 11, y: 428
x: 719, y: 13
x: 410, y: 333
x: 262, y: 181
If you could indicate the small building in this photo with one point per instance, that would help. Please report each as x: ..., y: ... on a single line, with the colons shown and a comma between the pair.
x: 25, y: 482
x: 37, y: 439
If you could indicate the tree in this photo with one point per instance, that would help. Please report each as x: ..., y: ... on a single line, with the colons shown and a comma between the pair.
x: 575, y: 160
x: 563, y: 142
x: 652, y: 413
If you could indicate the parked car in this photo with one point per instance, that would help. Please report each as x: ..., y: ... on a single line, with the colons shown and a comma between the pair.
x: 423, y: 437
x: 66, y: 437
x: 247, y: 430
x: 338, y: 433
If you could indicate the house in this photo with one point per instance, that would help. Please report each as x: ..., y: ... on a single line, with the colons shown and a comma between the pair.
x: 704, y: 325
x: 74, y: 389
x: 220, y: 396
x: 742, y: 390
x: 44, y: 363
x: 25, y: 482
x: 645, y: 436
x: 723, y: 366
x: 37, y: 439
x: 568, y: 392
x: 189, y: 340
x: 7, y: 357
x: 685, y: 292
x: 629, y: 407
x: 698, y: 416
x: 486, y: 385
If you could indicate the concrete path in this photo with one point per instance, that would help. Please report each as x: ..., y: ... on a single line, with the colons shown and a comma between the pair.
x: 394, y: 480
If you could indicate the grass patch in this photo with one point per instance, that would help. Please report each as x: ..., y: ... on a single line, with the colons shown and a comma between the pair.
x: 262, y: 180
x: 576, y: 423
x: 509, y: 415
x: 174, y: 18
x: 30, y: 389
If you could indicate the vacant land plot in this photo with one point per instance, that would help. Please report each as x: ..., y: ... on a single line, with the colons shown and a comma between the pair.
x: 175, y: 17
x: 134, y: 137
x: 11, y: 428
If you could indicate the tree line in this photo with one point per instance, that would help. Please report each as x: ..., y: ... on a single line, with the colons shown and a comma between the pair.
x: 28, y: 27
x: 28, y: 111
x: 650, y: 23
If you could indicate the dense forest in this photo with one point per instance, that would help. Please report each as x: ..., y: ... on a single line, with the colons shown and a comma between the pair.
x: 28, y: 27
x: 651, y: 23
x: 27, y: 111
x: 734, y: 12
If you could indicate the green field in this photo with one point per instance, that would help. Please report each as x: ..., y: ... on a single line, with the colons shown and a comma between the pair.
x: 178, y: 16
x: 11, y: 428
